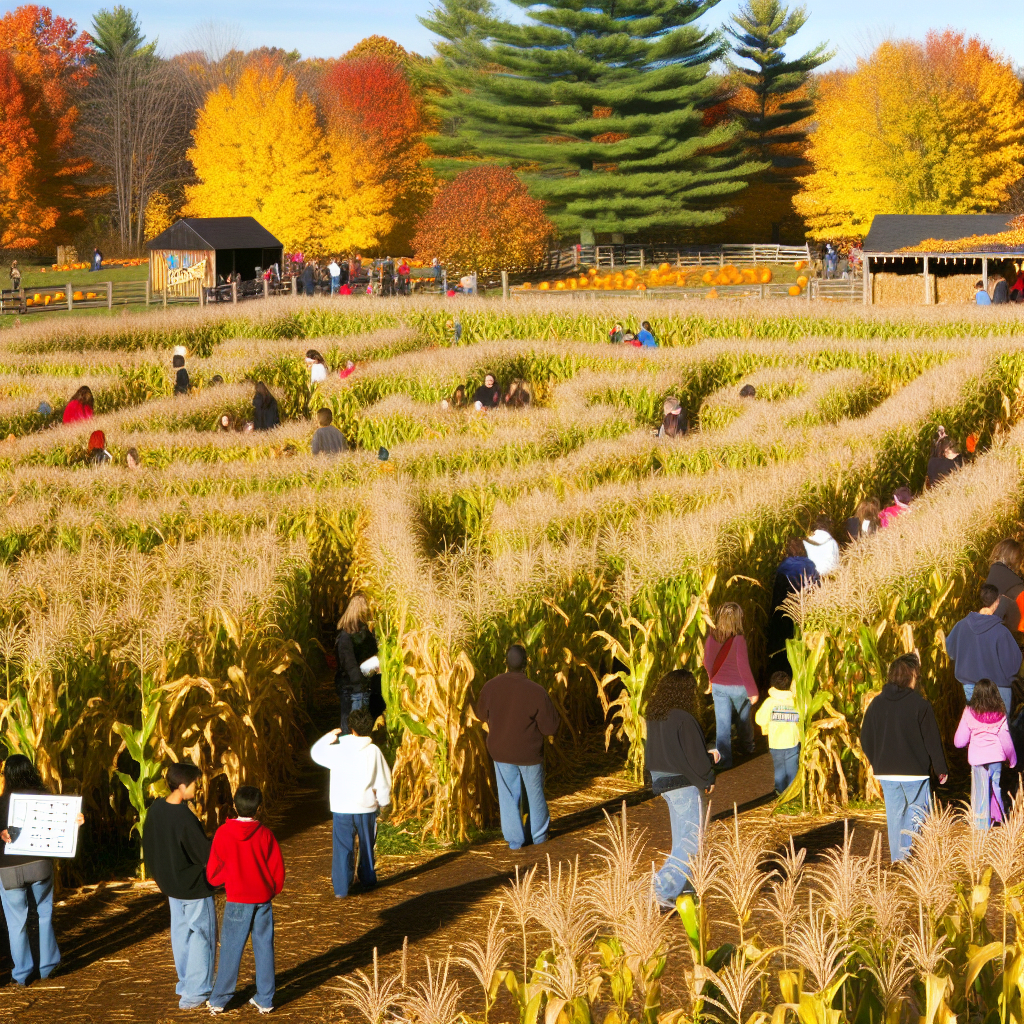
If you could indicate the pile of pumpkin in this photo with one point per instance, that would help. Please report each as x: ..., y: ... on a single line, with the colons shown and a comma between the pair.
x: 663, y: 276
x: 44, y: 300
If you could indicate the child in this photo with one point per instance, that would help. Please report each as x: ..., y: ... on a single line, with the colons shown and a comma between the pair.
x: 360, y: 786
x: 181, y: 381
x: 175, y: 850
x: 983, y: 730
x: 246, y: 859
x: 779, y: 721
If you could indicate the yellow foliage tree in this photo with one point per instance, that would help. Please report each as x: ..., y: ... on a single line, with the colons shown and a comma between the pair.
x: 933, y: 127
x: 259, y: 152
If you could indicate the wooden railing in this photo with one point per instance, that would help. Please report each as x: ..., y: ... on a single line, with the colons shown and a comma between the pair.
x: 678, y: 256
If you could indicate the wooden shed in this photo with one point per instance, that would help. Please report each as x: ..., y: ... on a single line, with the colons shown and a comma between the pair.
x: 201, y: 252
x: 942, y: 275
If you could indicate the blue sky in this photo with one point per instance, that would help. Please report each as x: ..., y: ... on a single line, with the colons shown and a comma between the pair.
x: 326, y: 28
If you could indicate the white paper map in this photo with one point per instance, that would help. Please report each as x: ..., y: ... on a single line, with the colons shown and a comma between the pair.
x: 42, y: 824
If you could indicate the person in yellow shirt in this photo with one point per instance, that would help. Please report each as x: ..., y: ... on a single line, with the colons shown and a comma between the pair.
x: 779, y: 720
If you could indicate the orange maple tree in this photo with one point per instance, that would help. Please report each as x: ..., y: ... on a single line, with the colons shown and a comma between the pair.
x: 46, y: 68
x: 369, y: 105
x: 484, y: 220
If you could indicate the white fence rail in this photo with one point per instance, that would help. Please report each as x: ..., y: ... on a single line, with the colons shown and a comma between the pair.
x: 678, y: 256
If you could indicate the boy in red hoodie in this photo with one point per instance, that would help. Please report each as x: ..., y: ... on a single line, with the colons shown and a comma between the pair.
x: 246, y: 860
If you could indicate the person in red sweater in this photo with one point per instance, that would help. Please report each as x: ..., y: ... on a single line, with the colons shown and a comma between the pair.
x: 80, y: 406
x: 733, y: 688
x: 246, y: 860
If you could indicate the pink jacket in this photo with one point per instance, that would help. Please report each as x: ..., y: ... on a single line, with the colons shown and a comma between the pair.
x: 735, y: 670
x: 987, y: 738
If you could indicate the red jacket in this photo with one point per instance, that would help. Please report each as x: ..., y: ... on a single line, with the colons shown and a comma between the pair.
x: 75, y: 411
x: 247, y: 861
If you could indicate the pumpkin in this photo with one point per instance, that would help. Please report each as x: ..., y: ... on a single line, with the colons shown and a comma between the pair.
x: 802, y: 281
x: 766, y: 275
x: 795, y: 289
x: 77, y: 296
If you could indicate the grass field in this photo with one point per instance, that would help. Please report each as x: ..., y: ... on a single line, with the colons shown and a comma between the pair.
x: 183, y: 610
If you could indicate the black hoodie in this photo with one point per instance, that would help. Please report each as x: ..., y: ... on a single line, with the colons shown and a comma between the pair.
x: 900, y: 735
x: 676, y: 744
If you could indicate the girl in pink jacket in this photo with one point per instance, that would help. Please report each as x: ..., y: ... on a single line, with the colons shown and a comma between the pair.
x: 985, y: 734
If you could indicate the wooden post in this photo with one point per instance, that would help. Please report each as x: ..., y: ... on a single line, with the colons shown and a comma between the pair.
x: 927, y: 297
x: 21, y: 299
x: 641, y: 257
x: 234, y: 291
x: 504, y: 284
x: 295, y: 285
x: 865, y: 269
x: 149, y: 292
x: 165, y: 294
x: 266, y: 288
x: 984, y: 271
x: 71, y: 292
x: 110, y: 295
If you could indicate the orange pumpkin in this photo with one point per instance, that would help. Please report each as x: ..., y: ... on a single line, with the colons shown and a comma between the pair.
x: 802, y: 281
x: 77, y: 296
x: 795, y: 289
x: 766, y: 275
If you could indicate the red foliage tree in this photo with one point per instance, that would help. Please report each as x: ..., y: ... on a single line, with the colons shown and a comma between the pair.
x: 367, y: 100
x: 48, y: 59
x: 484, y: 220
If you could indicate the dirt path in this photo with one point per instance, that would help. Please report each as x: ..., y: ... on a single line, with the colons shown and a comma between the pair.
x: 115, y: 940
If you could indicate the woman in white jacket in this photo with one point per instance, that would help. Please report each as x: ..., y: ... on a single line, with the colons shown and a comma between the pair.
x: 821, y: 546
x: 360, y: 786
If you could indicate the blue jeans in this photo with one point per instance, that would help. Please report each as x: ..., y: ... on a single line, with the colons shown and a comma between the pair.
x: 685, y: 817
x: 1006, y: 692
x: 728, y: 699
x: 343, y: 858
x: 241, y: 920
x: 986, y: 795
x: 787, y: 761
x: 512, y: 779
x: 352, y: 700
x: 906, y: 807
x: 194, y: 944
x: 16, y: 910
x: 335, y: 284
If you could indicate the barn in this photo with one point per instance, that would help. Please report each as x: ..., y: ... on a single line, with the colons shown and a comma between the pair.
x: 202, y: 251
x: 945, y: 275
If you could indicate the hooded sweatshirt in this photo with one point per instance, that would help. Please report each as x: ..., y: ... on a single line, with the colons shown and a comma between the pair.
x: 986, y: 736
x: 823, y: 551
x: 900, y: 735
x: 360, y: 777
x: 983, y: 648
x: 1011, y: 590
x: 676, y: 751
x: 779, y: 720
x: 247, y: 861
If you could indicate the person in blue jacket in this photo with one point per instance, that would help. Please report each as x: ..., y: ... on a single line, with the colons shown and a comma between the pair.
x: 646, y: 336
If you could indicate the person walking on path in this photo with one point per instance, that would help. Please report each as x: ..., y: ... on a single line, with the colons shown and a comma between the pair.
x: 22, y: 873
x: 733, y: 689
x: 779, y: 720
x: 864, y: 522
x: 182, y: 384
x: 1004, y: 575
x: 360, y: 787
x: 518, y: 714
x: 175, y: 851
x: 357, y: 678
x: 981, y: 647
x: 316, y: 366
x: 985, y: 734
x: 900, y: 738
x: 264, y: 409
x: 821, y: 547
x: 334, y: 269
x: 646, y: 336
x: 901, y: 501
x: 247, y: 861
x: 682, y: 771
x: 327, y: 439
x: 795, y: 572
x: 80, y: 407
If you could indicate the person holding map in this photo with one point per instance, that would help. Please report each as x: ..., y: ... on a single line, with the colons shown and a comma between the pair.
x: 20, y: 874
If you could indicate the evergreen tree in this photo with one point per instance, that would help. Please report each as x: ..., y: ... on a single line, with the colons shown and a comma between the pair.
x: 116, y: 33
x: 600, y: 107
x: 777, y: 100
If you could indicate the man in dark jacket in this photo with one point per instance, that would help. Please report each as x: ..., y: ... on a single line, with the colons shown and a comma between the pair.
x: 900, y: 739
x: 175, y: 850
x: 981, y: 647
x: 518, y: 714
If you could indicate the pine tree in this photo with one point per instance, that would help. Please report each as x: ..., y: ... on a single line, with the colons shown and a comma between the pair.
x: 599, y: 107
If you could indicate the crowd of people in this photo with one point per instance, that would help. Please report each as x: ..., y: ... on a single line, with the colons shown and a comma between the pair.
x: 998, y: 291
x: 490, y: 395
x: 643, y: 338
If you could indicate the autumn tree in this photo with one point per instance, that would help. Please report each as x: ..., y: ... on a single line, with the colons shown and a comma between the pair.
x: 259, y: 152
x: 484, y: 220
x: 371, y: 110
x: 47, y: 67
x: 933, y: 127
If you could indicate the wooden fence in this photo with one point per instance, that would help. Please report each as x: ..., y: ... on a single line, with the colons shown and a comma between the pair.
x: 678, y: 256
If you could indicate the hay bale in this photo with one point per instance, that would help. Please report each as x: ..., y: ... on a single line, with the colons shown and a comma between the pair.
x: 957, y: 289
x: 900, y: 289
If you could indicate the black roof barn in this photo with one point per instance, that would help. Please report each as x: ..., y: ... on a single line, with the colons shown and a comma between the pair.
x: 891, y: 232
x: 232, y: 244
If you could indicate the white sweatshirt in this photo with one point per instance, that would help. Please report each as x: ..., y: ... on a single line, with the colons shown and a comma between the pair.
x: 823, y: 551
x: 360, y: 777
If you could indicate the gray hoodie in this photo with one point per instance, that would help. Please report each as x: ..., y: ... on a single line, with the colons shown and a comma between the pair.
x: 983, y: 648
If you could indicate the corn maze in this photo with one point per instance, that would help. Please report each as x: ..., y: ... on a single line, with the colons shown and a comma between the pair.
x: 182, y: 610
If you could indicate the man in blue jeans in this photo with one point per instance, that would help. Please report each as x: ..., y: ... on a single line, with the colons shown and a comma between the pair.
x: 900, y: 738
x: 518, y: 714
x: 175, y: 849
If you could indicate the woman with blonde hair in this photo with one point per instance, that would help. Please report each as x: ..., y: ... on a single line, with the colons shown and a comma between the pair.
x: 733, y: 689
x: 357, y: 679
x: 1004, y: 575
x: 865, y: 521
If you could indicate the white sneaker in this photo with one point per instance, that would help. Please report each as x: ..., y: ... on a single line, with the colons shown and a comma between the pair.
x: 262, y: 1009
x: 214, y: 1010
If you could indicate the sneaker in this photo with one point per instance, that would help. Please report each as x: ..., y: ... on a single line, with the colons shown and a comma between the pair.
x: 214, y: 1010
x: 262, y: 1009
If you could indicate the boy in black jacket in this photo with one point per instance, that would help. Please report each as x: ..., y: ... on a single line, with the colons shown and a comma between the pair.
x: 901, y: 740
x: 175, y: 849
